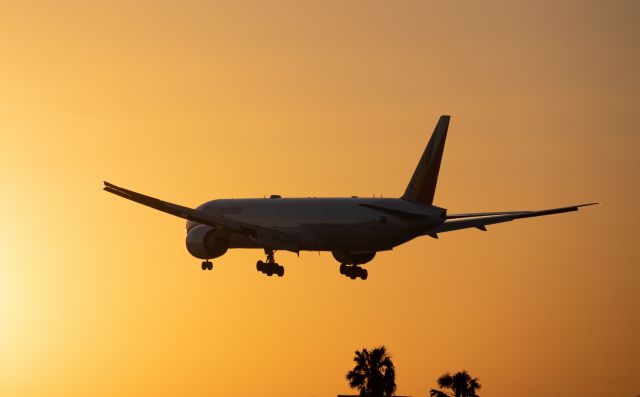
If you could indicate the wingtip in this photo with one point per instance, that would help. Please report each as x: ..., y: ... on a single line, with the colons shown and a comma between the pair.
x: 110, y: 187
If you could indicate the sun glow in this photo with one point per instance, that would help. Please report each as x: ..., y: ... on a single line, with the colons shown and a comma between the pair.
x: 8, y: 290
x: 5, y: 295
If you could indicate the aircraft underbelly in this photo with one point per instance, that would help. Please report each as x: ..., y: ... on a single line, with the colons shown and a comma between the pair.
x: 370, y: 237
x: 322, y: 237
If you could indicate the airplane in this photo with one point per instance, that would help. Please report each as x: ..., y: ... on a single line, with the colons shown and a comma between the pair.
x: 353, y: 229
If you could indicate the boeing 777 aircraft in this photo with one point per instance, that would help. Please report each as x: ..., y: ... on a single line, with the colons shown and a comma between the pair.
x: 354, y: 229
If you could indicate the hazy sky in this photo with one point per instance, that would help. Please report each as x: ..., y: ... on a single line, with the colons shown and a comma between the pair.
x: 194, y: 100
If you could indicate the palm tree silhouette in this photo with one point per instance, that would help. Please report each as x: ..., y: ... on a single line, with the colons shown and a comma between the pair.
x: 374, y: 374
x: 461, y: 384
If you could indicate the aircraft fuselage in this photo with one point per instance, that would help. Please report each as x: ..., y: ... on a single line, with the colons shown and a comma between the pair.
x: 330, y: 224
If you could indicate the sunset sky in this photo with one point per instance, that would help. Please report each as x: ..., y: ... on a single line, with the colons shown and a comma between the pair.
x: 194, y: 100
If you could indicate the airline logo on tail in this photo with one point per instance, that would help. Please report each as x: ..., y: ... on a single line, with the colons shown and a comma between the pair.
x: 422, y: 186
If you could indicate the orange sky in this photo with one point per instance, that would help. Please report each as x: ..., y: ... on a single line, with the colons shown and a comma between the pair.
x: 190, y: 101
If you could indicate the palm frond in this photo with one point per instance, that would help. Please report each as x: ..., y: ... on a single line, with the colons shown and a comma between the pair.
x: 373, y: 373
x: 445, y: 381
x: 438, y: 393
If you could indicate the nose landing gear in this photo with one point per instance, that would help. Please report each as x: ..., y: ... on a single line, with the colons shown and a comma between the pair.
x: 353, y: 271
x: 270, y: 267
x: 206, y: 265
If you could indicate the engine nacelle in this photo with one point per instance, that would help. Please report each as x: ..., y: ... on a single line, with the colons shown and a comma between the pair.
x: 353, y: 257
x: 204, y: 242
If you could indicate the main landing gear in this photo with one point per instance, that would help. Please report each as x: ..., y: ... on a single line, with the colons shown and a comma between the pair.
x: 206, y: 265
x: 270, y: 267
x: 353, y: 271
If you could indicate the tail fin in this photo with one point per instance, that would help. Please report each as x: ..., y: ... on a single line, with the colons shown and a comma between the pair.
x: 422, y: 185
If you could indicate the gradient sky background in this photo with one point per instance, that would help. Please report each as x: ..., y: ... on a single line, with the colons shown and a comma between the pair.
x: 195, y: 100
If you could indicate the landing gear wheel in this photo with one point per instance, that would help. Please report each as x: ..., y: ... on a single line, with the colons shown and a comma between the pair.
x: 270, y: 267
x: 353, y: 271
x: 206, y: 265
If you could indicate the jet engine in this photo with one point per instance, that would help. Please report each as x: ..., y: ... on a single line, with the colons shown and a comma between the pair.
x: 204, y: 242
x: 353, y: 257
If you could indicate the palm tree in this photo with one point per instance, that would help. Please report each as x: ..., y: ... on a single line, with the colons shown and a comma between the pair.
x: 374, y: 374
x: 461, y: 384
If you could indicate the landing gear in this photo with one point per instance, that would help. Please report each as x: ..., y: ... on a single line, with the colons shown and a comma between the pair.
x: 206, y: 265
x: 270, y: 267
x: 353, y: 271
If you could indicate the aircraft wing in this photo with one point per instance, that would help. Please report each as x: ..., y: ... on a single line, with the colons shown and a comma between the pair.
x: 264, y: 235
x: 483, y: 219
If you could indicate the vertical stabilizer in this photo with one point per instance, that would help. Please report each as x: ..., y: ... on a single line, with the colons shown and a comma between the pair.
x: 422, y: 185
